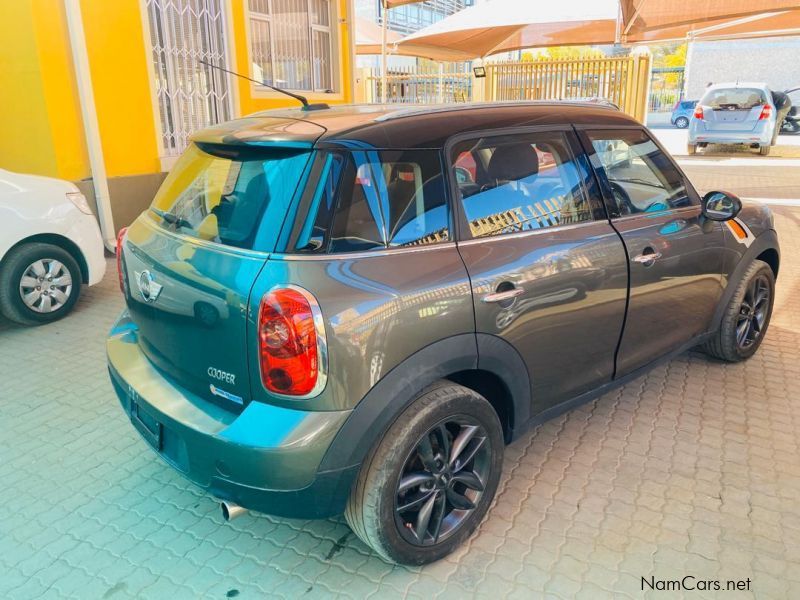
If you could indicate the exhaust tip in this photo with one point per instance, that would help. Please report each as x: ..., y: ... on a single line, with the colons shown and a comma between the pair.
x: 230, y: 510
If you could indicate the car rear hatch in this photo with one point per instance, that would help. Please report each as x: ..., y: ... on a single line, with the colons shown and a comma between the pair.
x: 735, y: 109
x: 189, y: 262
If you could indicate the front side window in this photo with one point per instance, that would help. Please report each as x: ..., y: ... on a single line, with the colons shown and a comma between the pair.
x: 370, y: 200
x: 222, y: 194
x: 291, y: 44
x: 520, y: 183
x: 641, y: 178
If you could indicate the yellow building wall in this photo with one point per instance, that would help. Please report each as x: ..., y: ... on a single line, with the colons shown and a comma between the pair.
x: 26, y: 142
x: 59, y: 90
x: 118, y: 63
x: 40, y: 114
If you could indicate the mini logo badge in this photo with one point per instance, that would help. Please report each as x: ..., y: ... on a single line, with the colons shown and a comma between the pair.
x: 148, y: 287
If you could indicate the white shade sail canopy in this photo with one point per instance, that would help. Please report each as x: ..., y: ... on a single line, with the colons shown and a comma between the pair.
x: 502, y: 25
x: 368, y: 41
x: 641, y: 17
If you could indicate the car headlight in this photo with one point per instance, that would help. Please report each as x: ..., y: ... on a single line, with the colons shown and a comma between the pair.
x: 80, y: 202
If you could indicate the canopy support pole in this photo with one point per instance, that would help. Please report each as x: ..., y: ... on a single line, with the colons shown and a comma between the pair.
x: 384, y: 29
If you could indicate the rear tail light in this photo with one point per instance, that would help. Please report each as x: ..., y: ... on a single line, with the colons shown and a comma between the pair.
x: 698, y: 112
x: 766, y: 112
x: 120, y: 270
x: 291, y: 343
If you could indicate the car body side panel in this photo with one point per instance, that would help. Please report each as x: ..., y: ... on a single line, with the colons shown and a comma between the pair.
x: 567, y: 322
x: 379, y: 308
x: 673, y: 299
x: 31, y: 205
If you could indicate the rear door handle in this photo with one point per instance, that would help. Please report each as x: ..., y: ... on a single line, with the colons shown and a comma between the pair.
x: 647, y: 259
x: 503, y: 296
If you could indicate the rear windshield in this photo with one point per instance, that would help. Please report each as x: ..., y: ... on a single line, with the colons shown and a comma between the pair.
x: 222, y: 193
x: 734, y: 98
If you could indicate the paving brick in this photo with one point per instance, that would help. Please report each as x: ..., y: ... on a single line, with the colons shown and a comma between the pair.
x: 690, y: 469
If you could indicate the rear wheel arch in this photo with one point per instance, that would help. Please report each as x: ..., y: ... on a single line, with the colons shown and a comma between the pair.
x: 495, y: 390
x: 483, y: 363
x: 62, y: 242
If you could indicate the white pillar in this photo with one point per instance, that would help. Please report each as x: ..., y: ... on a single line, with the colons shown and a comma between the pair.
x: 91, y: 127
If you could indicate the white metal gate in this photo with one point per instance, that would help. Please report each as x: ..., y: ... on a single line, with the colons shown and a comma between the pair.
x: 190, y: 95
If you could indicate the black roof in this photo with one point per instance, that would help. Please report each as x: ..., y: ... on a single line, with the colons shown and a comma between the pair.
x: 402, y: 126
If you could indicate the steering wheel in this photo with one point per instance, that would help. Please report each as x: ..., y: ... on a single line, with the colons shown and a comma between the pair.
x: 622, y: 198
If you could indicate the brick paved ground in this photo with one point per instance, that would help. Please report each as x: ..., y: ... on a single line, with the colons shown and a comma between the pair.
x: 692, y: 469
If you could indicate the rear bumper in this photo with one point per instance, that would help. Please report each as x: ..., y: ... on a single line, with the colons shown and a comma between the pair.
x: 266, y: 458
x: 760, y: 135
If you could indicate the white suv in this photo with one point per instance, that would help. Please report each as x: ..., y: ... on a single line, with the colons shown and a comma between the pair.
x: 49, y: 245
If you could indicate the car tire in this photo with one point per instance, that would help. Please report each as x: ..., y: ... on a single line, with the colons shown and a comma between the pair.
x: 764, y: 150
x: 442, y: 414
x: 28, y: 260
x: 691, y: 149
x: 681, y: 122
x: 743, y: 310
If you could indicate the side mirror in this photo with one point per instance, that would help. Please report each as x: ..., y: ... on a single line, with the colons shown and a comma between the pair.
x: 721, y: 206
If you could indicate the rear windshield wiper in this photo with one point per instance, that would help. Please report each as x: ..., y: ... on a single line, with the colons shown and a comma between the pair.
x: 171, y: 218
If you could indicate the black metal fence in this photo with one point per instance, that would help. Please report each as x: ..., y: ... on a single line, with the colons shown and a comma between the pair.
x: 666, y: 88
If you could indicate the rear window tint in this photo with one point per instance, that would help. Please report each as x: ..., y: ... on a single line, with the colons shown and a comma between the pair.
x: 734, y: 98
x: 223, y: 193
x: 375, y: 200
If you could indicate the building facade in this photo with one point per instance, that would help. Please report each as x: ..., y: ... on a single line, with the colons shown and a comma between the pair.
x: 405, y: 20
x: 150, y: 89
x: 773, y: 61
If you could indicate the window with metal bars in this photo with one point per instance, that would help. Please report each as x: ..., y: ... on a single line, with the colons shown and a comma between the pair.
x: 190, y: 95
x: 291, y: 44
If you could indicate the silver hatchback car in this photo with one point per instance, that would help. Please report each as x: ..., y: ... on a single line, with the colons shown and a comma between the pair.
x: 734, y: 113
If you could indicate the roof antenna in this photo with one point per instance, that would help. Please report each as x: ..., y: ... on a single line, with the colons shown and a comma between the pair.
x: 302, y: 99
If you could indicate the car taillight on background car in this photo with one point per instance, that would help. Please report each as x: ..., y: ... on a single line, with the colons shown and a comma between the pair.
x: 291, y: 343
x: 766, y: 112
x: 698, y: 112
x: 120, y: 270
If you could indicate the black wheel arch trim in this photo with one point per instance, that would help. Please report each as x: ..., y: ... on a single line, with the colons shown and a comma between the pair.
x: 381, y: 406
x: 497, y: 356
x: 767, y: 240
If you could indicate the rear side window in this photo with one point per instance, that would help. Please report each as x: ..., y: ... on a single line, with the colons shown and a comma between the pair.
x: 689, y: 104
x: 369, y: 200
x: 734, y: 98
x: 222, y: 193
x: 519, y: 183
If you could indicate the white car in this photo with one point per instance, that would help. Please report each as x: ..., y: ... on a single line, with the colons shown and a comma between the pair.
x: 50, y: 244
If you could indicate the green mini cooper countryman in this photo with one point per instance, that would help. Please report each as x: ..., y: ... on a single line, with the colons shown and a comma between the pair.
x: 353, y: 310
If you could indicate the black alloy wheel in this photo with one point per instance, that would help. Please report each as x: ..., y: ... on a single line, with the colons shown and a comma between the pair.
x: 753, y: 312
x: 431, y: 477
x: 442, y: 481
